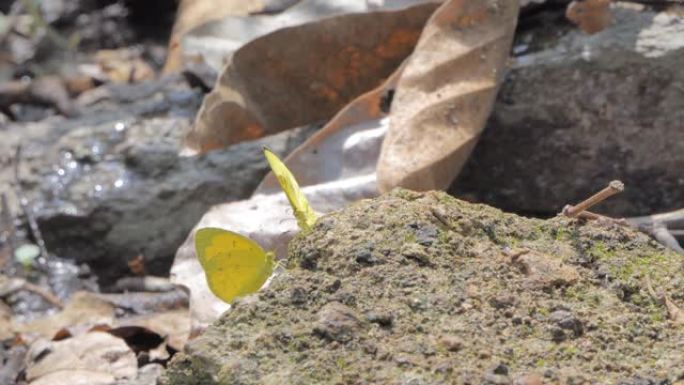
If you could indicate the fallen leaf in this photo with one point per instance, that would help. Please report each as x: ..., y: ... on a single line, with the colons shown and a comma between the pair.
x: 335, y: 60
x: 124, y: 65
x: 445, y: 93
x: 91, y: 358
x: 83, y: 311
x: 346, y: 148
x: 591, y: 16
x: 137, y: 265
x: 172, y: 326
x: 193, y: 13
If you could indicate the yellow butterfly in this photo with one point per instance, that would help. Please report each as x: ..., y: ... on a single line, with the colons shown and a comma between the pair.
x: 233, y: 264
x: 305, y: 215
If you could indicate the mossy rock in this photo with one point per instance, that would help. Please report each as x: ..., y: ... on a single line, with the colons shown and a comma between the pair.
x: 421, y: 288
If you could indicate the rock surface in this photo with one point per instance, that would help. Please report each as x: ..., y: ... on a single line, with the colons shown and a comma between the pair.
x: 416, y: 288
x: 109, y: 186
x: 577, y: 111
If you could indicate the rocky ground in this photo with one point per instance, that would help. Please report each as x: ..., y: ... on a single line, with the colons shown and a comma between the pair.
x: 405, y: 289
x: 416, y: 288
x: 574, y: 113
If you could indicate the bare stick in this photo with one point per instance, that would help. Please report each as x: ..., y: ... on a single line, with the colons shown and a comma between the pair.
x: 10, y: 285
x: 663, y: 235
x: 26, y: 208
x: 672, y: 219
x: 46, y: 295
x: 6, y: 228
x: 613, y: 188
x: 675, y: 314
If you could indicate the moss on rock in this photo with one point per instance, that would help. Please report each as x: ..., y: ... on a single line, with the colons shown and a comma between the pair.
x: 421, y: 288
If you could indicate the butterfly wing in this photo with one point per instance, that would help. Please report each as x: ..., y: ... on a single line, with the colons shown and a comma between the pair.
x: 233, y: 264
x: 300, y: 206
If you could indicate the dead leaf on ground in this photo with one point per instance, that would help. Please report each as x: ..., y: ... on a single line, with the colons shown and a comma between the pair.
x: 137, y: 265
x: 123, y: 65
x: 91, y: 358
x: 172, y: 326
x: 346, y: 148
x: 445, y: 93
x: 271, y: 84
x: 193, y: 13
x: 591, y: 16
x: 83, y: 311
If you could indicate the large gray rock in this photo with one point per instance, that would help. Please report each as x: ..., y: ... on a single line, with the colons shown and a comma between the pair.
x: 110, y: 185
x: 577, y: 111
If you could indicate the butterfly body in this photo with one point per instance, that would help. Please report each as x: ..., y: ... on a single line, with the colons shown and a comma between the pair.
x: 303, y: 212
x: 234, y: 265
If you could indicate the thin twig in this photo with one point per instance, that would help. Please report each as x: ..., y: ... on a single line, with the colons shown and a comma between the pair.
x: 613, y: 188
x: 10, y: 285
x: 28, y: 286
x: 663, y: 235
x: 672, y: 219
x: 26, y: 208
x: 7, y: 229
x: 675, y: 314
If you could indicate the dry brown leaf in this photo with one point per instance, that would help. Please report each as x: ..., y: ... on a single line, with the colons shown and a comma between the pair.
x: 193, y: 13
x: 83, y: 311
x: 321, y: 159
x: 123, y: 65
x: 91, y: 358
x: 137, y: 265
x: 445, y: 93
x: 591, y: 16
x: 273, y: 84
x: 173, y: 326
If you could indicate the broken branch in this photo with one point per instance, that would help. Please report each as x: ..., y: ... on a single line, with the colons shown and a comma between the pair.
x: 613, y: 188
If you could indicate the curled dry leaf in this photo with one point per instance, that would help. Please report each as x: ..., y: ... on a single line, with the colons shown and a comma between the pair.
x: 346, y: 147
x: 91, y: 358
x: 445, y: 93
x: 271, y: 84
x: 591, y: 16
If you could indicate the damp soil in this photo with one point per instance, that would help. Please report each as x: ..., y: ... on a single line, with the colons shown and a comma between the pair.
x: 423, y: 288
